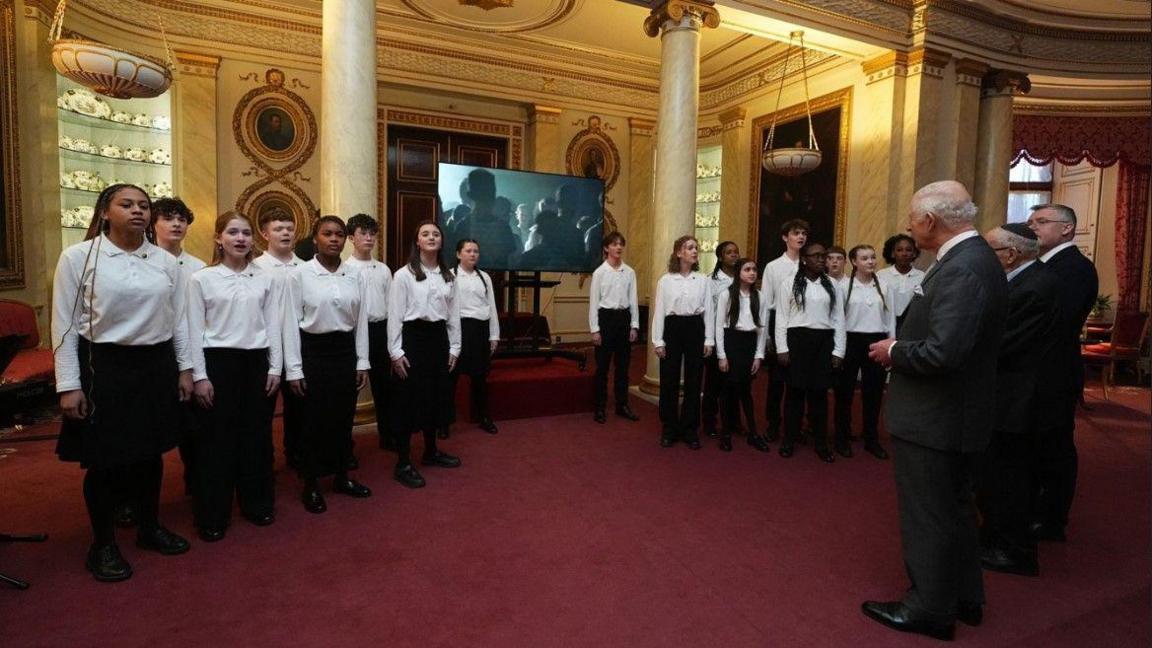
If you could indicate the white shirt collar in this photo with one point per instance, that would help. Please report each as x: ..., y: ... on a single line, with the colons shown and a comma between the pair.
x: 109, y: 248
x: 951, y: 243
x: 1012, y: 275
x: 1047, y: 256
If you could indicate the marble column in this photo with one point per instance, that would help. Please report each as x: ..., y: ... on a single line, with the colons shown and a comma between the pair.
x: 348, y: 172
x: 921, y: 154
x: 961, y: 165
x: 678, y: 23
x: 994, y: 145
x: 882, y: 133
x: 735, y: 146
x: 194, y: 161
x: 544, y: 140
x: 640, y: 162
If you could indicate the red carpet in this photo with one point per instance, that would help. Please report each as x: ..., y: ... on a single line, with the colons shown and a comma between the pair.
x: 558, y: 532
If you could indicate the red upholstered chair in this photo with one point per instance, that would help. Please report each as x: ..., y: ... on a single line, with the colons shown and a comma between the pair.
x: 30, y: 363
x: 1129, y: 337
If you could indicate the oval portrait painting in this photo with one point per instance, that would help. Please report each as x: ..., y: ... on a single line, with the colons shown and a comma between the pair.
x: 275, y: 129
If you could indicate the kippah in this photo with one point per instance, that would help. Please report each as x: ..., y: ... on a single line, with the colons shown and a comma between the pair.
x: 1020, y: 229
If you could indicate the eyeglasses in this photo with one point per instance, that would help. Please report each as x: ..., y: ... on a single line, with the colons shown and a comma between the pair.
x: 1045, y: 221
x: 1001, y: 249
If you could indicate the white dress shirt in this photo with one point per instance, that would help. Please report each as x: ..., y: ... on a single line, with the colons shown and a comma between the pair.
x: 269, y: 262
x: 775, y: 272
x: 235, y: 310
x: 377, y: 279
x: 324, y: 302
x: 815, y: 315
x: 902, y: 286
x: 744, y: 322
x: 677, y: 294
x: 478, y: 299
x: 614, y: 289
x: 1047, y: 256
x: 866, y: 312
x: 720, y: 285
x: 132, y: 298
x: 431, y: 300
x: 189, y: 264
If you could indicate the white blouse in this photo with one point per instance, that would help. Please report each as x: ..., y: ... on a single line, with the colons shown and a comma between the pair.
x: 377, y: 279
x: 478, y: 299
x: 613, y: 289
x: 744, y: 322
x: 324, y: 302
x: 776, y: 271
x: 431, y: 300
x: 235, y: 310
x: 720, y: 285
x: 268, y: 262
x: 816, y: 313
x: 902, y: 286
x: 677, y: 294
x: 866, y: 312
x: 132, y: 298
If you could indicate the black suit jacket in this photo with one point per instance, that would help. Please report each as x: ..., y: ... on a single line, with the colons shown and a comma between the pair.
x: 1079, y: 286
x: 944, y: 363
x: 1030, y: 337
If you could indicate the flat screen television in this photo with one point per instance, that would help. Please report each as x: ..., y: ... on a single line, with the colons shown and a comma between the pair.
x: 523, y: 221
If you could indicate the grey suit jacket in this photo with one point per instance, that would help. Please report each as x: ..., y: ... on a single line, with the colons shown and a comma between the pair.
x: 943, y: 385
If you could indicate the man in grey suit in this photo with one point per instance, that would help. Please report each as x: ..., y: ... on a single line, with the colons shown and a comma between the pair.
x: 939, y: 413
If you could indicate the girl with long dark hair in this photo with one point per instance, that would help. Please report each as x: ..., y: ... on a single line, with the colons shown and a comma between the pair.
x: 479, y: 332
x: 741, y: 334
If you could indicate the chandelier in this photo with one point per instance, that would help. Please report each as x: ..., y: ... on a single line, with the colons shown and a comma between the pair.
x: 108, y: 70
x: 795, y: 160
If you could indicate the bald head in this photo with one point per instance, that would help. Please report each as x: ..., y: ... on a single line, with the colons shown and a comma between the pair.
x: 940, y: 211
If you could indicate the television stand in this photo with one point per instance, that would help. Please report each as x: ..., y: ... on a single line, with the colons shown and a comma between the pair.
x: 531, y: 346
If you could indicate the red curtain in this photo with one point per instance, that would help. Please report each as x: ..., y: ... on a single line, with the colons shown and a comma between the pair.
x: 1103, y: 141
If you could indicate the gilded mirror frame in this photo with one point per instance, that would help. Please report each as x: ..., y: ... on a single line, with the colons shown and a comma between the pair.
x: 11, y: 246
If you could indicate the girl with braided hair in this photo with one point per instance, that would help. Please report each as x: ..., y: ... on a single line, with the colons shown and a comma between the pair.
x: 810, y: 346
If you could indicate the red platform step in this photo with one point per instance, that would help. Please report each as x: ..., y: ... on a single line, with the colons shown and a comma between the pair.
x: 531, y: 387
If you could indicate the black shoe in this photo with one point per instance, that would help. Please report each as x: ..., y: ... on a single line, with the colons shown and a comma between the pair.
x: 758, y: 442
x: 1009, y: 562
x: 261, y: 519
x: 786, y: 449
x: 488, y: 426
x: 711, y: 432
x: 443, y: 433
x: 726, y: 443
x: 667, y: 440
x: 107, y: 565
x: 440, y: 460
x: 844, y: 449
x: 875, y: 449
x: 623, y: 411
x: 897, y: 616
x: 825, y: 454
x: 970, y: 614
x: 408, y: 476
x: 772, y: 435
x: 313, y: 500
x: 693, y: 444
x: 352, y: 464
x: 600, y: 416
x: 126, y: 517
x: 161, y: 540
x: 1049, y: 532
x: 350, y: 487
x: 211, y: 534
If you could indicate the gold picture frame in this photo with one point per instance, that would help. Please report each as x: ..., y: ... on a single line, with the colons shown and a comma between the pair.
x: 11, y: 245
x: 273, y: 124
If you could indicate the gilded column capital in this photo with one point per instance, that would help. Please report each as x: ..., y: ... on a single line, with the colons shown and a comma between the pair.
x: 1005, y: 82
x: 196, y: 64
x: 733, y: 118
x: 970, y: 72
x: 538, y: 114
x: 885, y: 66
x: 928, y: 61
x: 681, y: 14
x: 641, y: 126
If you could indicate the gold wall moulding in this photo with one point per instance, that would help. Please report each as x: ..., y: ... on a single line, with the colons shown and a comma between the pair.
x: 499, y: 17
x: 12, y: 245
x: 592, y: 154
x: 488, y: 5
x: 675, y: 10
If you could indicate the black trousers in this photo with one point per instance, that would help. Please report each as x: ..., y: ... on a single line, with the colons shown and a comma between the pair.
x: 329, y: 363
x: 1058, y: 460
x: 1005, y: 492
x: 777, y: 383
x: 872, y: 377
x: 714, y: 385
x: 736, y: 383
x: 380, y: 376
x: 815, y: 401
x: 683, y: 349
x: 615, y: 325
x: 234, y: 451
x: 477, y: 394
x: 106, y: 488
x: 291, y: 417
x: 938, y: 531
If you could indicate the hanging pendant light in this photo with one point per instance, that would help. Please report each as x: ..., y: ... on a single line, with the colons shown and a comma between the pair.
x: 110, y: 71
x: 795, y: 160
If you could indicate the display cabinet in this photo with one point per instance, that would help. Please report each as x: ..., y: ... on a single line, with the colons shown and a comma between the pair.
x: 708, y: 204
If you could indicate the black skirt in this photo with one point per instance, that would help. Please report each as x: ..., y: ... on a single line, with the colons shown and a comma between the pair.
x: 421, y: 399
x: 740, y: 347
x: 329, y: 406
x: 810, y: 358
x: 133, y: 405
x: 475, y: 358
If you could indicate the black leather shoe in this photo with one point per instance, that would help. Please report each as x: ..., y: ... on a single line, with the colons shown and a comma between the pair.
x: 408, y: 476
x: 786, y: 449
x: 126, y: 516
x: 1049, y: 532
x: 440, y: 460
x: 825, y: 454
x: 758, y: 442
x: 711, y: 432
x: 443, y: 433
x: 261, y: 519
x: 772, y: 435
x: 313, y: 500
x: 844, y: 449
x: 488, y: 426
x: 624, y: 411
x: 1009, y: 562
x: 970, y: 614
x: 897, y: 616
x: 161, y: 540
x: 107, y: 565
x: 353, y: 463
x: 726, y: 443
x: 351, y: 487
x: 210, y: 534
x: 875, y: 449
x: 600, y: 416
x: 667, y: 440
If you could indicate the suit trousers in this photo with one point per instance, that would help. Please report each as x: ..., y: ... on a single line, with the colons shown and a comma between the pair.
x: 615, y: 325
x: 683, y: 348
x: 1005, y: 492
x: 934, y: 490
x: 872, y: 377
x: 380, y: 376
x: 1058, y: 459
x: 234, y: 451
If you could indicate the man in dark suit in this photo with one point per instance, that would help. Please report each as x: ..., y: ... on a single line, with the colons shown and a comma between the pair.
x: 1055, y: 227
x: 939, y: 413
x: 1005, y: 485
